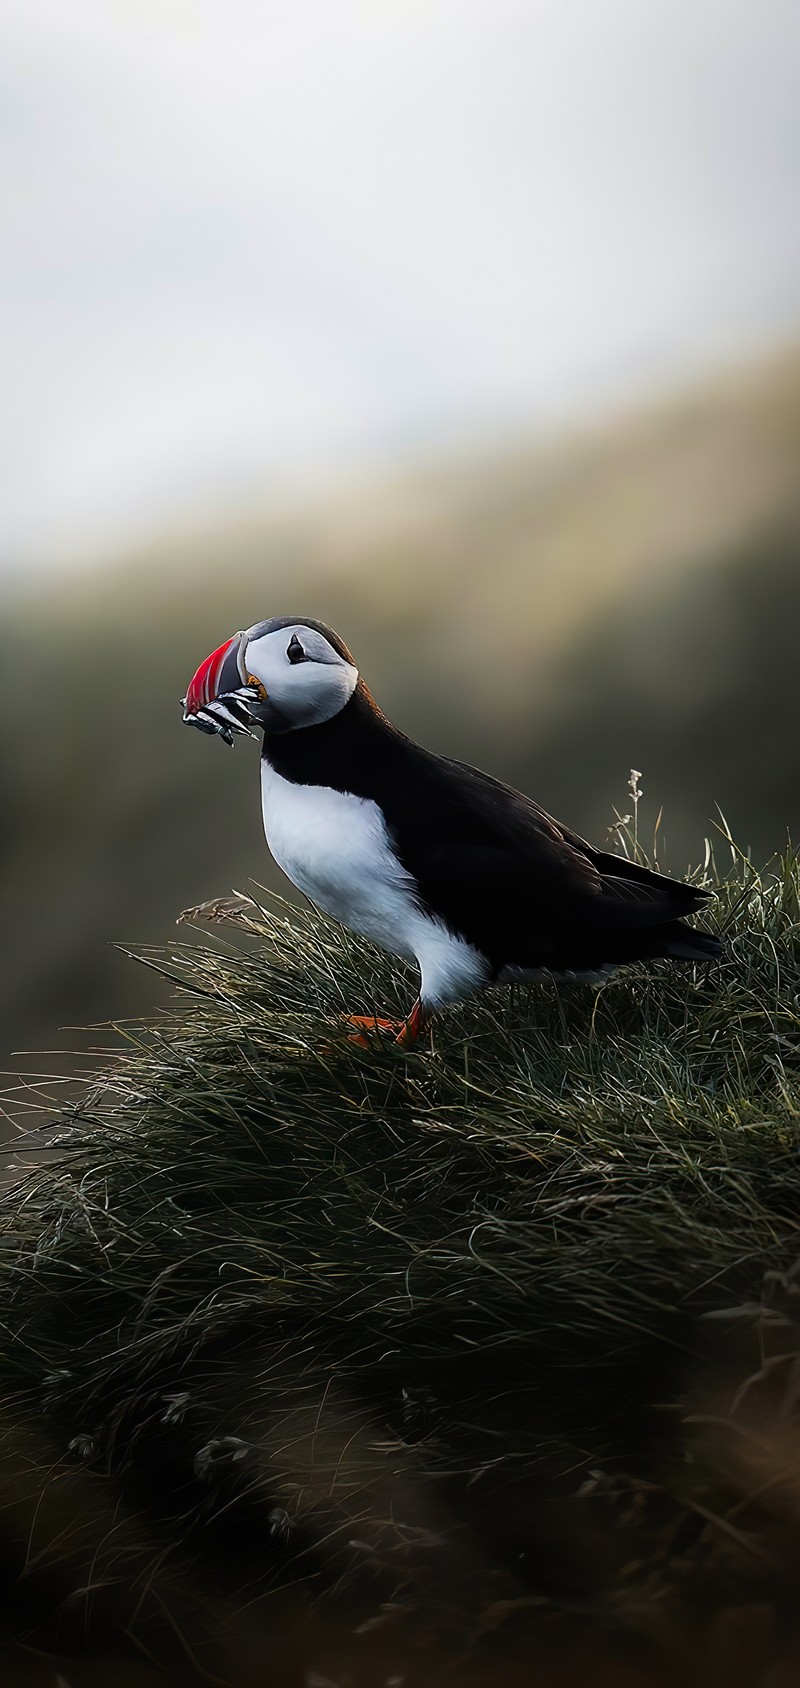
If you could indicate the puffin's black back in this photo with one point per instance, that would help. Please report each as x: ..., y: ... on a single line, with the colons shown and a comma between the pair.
x: 495, y: 867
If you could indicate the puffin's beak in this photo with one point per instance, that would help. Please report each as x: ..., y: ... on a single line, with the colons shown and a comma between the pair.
x: 219, y: 673
x: 218, y: 679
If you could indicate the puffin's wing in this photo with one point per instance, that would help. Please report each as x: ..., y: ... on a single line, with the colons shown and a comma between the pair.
x: 506, y: 875
x: 536, y: 910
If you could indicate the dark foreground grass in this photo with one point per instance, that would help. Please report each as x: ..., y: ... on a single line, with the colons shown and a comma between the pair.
x: 475, y: 1365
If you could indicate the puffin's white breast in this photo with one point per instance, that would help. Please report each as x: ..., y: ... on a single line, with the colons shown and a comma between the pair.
x: 335, y: 848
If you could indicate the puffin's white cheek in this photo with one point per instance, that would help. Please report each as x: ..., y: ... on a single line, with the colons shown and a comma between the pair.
x: 322, y: 691
x: 312, y: 693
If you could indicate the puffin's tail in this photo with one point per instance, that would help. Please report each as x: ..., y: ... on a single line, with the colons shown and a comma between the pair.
x: 685, y: 944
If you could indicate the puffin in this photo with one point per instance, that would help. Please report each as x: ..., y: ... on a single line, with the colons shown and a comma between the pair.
x: 434, y: 860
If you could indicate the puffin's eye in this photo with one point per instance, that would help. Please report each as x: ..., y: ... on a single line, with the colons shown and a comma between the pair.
x: 294, y: 650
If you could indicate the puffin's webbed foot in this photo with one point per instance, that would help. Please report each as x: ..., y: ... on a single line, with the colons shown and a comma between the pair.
x: 368, y: 1027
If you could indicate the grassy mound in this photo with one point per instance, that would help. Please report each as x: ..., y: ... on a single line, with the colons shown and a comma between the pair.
x: 452, y: 1353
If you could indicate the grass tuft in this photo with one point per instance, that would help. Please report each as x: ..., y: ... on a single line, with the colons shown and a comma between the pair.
x: 416, y: 1333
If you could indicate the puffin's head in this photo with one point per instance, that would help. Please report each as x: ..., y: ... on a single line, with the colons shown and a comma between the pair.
x: 279, y: 675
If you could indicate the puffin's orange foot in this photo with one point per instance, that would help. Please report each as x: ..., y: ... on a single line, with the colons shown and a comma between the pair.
x: 369, y: 1026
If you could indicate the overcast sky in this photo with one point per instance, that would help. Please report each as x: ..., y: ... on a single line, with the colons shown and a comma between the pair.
x: 246, y: 241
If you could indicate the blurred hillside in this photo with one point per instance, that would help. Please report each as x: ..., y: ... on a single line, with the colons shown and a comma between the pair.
x: 559, y: 613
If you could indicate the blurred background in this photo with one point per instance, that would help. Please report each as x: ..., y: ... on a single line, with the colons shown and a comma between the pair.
x: 470, y: 326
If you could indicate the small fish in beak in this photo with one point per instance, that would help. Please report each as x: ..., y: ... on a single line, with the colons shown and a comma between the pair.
x: 217, y: 700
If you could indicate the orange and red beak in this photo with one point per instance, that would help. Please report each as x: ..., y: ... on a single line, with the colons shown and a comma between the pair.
x: 216, y: 676
x: 217, y: 701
